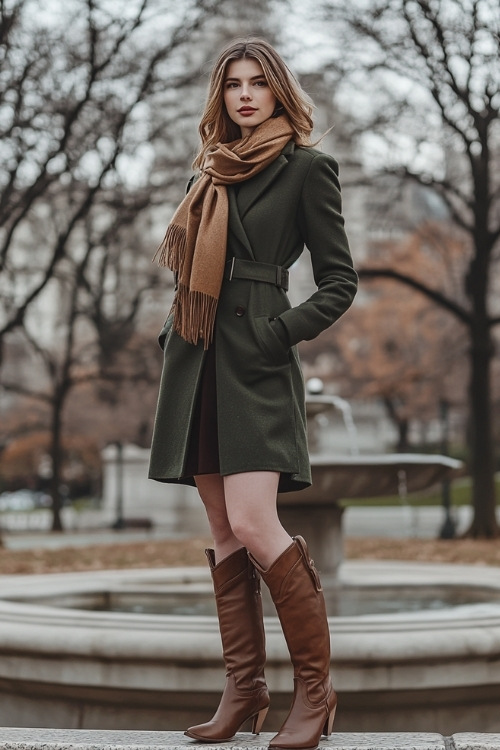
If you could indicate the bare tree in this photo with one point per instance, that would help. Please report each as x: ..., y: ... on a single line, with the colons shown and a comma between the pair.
x: 429, y: 73
x: 79, y: 97
x: 99, y: 292
x: 75, y: 92
x: 97, y: 111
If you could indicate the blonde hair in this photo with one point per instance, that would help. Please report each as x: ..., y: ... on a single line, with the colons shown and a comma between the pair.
x: 217, y: 127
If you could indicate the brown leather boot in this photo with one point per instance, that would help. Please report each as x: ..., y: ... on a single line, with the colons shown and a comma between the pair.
x: 239, y: 607
x: 297, y: 594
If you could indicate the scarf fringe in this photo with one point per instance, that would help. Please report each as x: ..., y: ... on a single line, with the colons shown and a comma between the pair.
x: 194, y: 316
x: 172, y: 249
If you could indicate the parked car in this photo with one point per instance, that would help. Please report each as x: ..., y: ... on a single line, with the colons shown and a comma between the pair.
x: 23, y: 500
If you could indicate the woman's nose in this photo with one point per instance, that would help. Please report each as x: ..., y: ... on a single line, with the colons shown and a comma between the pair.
x: 245, y: 93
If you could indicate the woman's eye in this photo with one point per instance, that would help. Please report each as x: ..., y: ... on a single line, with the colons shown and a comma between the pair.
x: 261, y: 83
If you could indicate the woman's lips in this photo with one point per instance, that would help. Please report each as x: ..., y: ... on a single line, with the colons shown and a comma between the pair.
x: 246, y: 111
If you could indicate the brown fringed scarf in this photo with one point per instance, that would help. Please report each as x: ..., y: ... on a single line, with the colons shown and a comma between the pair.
x: 194, y: 245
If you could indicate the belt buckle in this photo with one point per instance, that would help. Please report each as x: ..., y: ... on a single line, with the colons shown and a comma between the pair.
x: 231, y: 271
x: 282, y: 278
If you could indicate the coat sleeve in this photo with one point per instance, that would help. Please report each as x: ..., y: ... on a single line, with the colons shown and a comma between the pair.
x: 322, y: 228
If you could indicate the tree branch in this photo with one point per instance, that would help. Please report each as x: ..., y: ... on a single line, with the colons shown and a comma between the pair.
x: 433, y: 294
x: 23, y: 391
x: 442, y: 187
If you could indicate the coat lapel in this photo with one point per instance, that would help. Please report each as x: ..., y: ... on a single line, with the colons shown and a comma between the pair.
x: 251, y: 191
x: 235, y: 226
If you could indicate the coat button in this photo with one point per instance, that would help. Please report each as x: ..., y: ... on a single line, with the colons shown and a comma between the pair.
x: 240, y: 311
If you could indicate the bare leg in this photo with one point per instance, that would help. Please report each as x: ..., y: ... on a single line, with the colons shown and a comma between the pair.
x: 239, y: 609
x: 250, y: 502
x: 211, y: 490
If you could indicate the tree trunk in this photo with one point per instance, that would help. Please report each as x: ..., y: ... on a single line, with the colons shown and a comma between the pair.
x: 484, y: 523
x: 56, y: 456
x: 2, y: 448
x: 403, y: 445
x: 402, y: 425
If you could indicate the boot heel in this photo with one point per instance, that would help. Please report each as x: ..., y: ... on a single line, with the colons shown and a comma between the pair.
x: 327, y: 729
x: 258, y: 720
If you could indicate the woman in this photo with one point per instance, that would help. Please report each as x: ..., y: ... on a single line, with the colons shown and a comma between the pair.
x: 231, y: 414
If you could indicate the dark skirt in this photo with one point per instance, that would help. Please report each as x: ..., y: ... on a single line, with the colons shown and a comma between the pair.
x: 203, y: 451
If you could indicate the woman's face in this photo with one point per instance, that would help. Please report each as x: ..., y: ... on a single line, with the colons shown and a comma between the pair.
x: 249, y: 100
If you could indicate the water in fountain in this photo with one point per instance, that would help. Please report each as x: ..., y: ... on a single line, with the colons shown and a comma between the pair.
x: 345, y: 601
x: 316, y: 396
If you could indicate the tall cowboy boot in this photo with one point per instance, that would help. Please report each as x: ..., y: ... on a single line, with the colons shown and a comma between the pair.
x: 297, y: 594
x: 239, y: 608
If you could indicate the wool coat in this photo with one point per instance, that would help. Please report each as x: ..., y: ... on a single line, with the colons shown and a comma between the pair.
x: 292, y: 203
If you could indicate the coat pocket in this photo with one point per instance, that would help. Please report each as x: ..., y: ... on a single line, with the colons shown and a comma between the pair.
x: 165, y: 331
x: 270, y: 344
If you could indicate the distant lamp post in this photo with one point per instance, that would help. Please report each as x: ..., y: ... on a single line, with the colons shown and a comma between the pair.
x: 448, y: 529
x: 315, y: 386
x: 119, y: 522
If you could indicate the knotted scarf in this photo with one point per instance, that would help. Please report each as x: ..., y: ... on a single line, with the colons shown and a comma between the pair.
x: 195, y: 242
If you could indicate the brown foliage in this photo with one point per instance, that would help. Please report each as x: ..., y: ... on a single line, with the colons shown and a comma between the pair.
x: 396, y: 345
x: 21, y: 459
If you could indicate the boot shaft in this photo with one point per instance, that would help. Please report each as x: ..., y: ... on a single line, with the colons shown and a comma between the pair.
x: 239, y: 610
x: 296, y: 591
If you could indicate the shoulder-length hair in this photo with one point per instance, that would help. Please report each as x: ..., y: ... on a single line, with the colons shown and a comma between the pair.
x: 217, y: 127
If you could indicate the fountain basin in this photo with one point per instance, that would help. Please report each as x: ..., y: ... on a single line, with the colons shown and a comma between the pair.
x: 358, y: 476
x: 315, y: 512
x: 421, y: 671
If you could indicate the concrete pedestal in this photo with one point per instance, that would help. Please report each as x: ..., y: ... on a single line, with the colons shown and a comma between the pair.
x: 321, y: 527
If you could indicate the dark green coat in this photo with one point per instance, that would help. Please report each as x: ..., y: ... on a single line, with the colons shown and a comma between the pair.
x: 260, y: 389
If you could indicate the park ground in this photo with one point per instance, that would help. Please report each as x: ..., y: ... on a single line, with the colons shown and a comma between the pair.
x: 379, y: 529
x: 186, y: 552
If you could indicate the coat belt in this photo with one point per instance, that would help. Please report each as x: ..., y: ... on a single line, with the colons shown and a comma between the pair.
x: 237, y: 268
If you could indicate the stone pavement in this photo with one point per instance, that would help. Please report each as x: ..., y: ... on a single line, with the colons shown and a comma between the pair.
x: 81, y: 739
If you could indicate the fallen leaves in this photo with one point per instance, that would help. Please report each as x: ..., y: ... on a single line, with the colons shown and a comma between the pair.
x: 187, y: 552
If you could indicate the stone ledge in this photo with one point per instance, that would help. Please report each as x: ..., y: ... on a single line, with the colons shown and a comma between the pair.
x: 94, y: 739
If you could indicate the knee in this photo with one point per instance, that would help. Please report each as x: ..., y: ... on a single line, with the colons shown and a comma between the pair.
x: 217, y: 520
x: 220, y: 528
x: 244, y: 528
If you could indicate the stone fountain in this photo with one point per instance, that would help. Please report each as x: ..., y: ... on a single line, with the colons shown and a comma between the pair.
x: 316, y: 512
x: 141, y: 649
x: 62, y: 664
